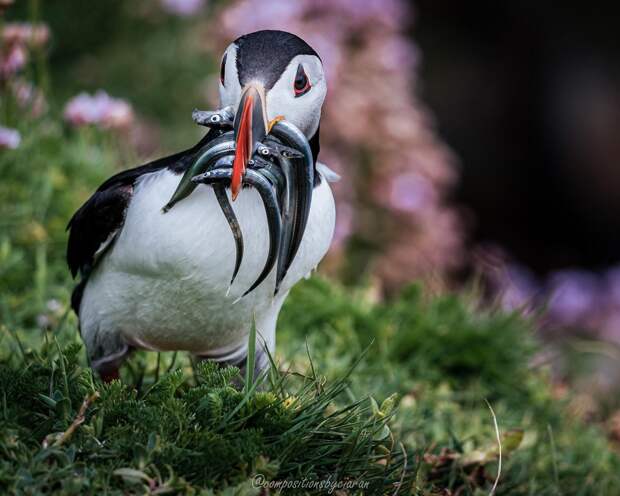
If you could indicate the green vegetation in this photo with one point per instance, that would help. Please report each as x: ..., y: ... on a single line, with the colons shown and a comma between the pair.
x: 177, y: 427
x: 391, y: 395
x: 64, y: 432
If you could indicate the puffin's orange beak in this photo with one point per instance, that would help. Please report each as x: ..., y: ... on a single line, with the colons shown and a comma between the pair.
x: 250, y: 128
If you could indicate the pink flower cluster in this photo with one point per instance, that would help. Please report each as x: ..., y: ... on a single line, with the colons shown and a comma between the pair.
x: 9, y: 138
x: 26, y: 34
x: 28, y: 96
x: 100, y: 110
x: 183, y: 8
x: 374, y: 131
x: 12, y: 59
x: 569, y: 298
x: 17, y: 40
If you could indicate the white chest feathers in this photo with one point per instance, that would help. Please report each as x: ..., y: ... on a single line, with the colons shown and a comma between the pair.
x: 164, y: 284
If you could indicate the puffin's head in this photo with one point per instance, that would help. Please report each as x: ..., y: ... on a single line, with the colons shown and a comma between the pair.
x: 267, y: 76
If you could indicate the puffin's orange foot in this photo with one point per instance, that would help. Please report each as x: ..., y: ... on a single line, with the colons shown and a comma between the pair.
x: 110, y: 375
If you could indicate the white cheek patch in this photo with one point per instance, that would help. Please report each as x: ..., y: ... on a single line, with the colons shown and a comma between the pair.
x: 230, y: 92
x: 303, y: 111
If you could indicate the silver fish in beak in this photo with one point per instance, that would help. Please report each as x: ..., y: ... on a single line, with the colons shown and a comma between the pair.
x: 280, y: 166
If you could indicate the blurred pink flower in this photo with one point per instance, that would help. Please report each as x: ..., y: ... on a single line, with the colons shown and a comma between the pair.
x: 101, y: 110
x: 573, y: 296
x: 44, y: 322
x: 613, y: 283
x: 376, y: 128
x: 518, y: 289
x: 16, y: 42
x: 398, y: 54
x: 388, y: 13
x: 569, y: 298
x: 9, y: 138
x: 610, y: 329
x: 28, y: 97
x: 344, y: 224
x: 183, y: 8
x: 12, y: 58
x: 410, y: 192
x: 54, y: 306
x: 24, y: 33
x: 246, y: 16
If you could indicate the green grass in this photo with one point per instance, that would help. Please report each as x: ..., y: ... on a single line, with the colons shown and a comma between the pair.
x: 177, y: 427
x: 185, y: 431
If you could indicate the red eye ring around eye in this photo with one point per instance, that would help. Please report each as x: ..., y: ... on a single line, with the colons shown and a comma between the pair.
x: 301, y: 85
x: 304, y: 90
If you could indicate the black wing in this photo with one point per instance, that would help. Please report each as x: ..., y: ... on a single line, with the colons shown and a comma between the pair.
x: 93, y: 228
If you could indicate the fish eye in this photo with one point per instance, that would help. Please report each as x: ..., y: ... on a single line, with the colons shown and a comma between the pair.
x: 302, y: 83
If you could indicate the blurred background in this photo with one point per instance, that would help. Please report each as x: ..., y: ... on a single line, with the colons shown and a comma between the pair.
x: 479, y: 142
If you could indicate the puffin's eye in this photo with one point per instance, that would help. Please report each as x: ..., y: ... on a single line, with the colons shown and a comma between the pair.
x: 302, y: 83
x: 223, y: 69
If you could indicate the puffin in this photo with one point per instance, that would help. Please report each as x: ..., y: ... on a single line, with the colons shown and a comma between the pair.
x: 158, y: 248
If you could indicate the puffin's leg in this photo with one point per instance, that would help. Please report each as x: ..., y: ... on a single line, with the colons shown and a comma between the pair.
x: 106, y: 352
x: 261, y: 363
x: 110, y: 375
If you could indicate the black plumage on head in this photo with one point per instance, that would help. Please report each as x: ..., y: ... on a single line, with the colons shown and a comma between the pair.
x: 264, y: 55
